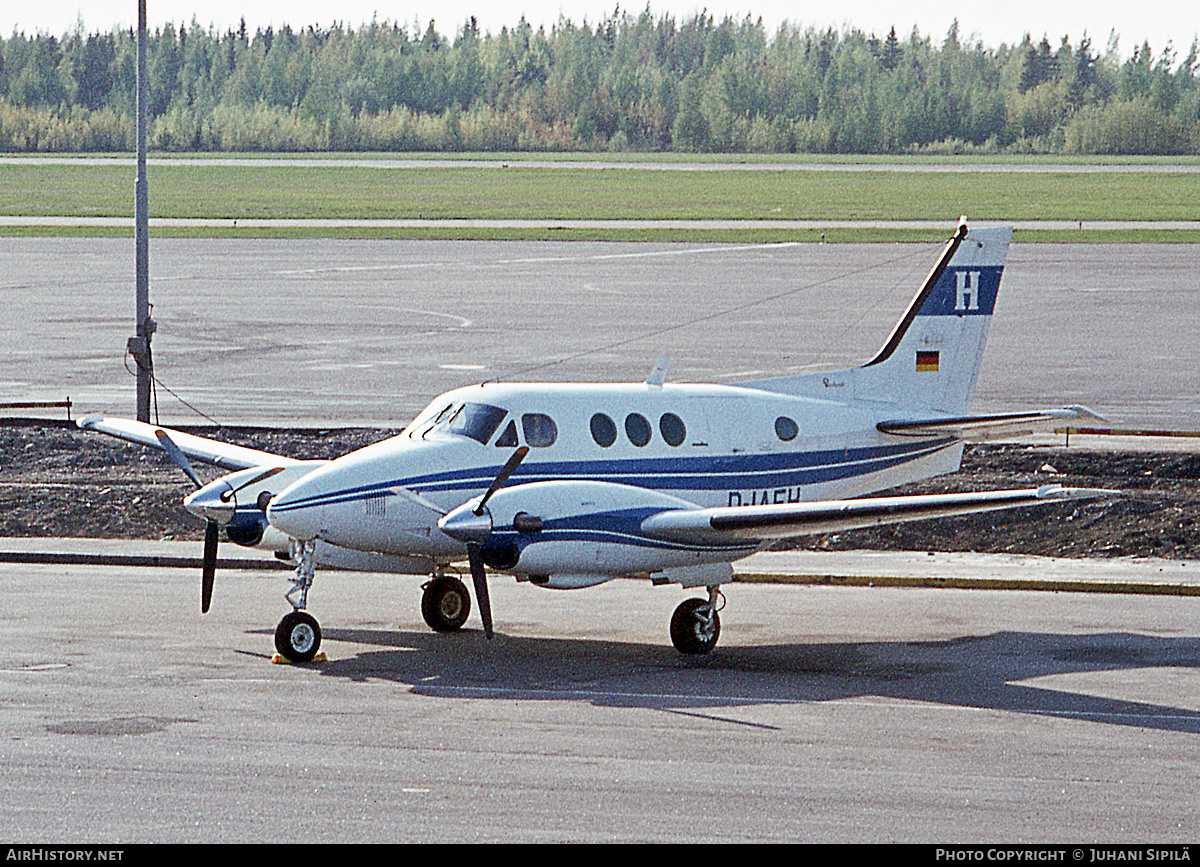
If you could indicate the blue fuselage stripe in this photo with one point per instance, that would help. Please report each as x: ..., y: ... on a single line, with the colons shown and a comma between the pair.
x: 751, y: 471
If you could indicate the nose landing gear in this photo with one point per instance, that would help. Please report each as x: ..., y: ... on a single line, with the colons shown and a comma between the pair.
x: 298, y: 635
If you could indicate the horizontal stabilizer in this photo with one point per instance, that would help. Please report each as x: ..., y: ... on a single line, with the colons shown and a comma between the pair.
x: 831, y: 516
x: 979, y: 428
x: 224, y: 455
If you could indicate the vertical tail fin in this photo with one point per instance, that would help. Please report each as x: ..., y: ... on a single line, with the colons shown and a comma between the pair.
x: 931, y: 360
x: 932, y: 357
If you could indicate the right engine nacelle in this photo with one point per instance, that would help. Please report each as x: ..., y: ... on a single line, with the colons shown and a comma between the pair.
x: 585, y: 532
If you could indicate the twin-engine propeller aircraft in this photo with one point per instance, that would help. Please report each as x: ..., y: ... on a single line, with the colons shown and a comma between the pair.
x: 567, y: 485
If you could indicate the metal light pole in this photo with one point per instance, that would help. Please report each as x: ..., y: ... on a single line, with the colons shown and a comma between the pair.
x: 139, y: 345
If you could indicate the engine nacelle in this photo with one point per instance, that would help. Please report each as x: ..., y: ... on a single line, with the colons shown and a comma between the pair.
x: 576, y: 533
x: 565, y: 581
x: 237, y: 501
x: 246, y: 528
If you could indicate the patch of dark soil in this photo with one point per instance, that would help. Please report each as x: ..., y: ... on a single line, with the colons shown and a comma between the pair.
x: 56, y: 480
x: 1155, y: 517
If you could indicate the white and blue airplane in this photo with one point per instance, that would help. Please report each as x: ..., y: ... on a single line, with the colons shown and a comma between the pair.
x: 567, y: 485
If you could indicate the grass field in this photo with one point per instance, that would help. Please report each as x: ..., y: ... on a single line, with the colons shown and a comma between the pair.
x: 546, y: 193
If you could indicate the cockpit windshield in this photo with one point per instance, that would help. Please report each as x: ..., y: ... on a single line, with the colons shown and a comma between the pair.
x: 477, y: 420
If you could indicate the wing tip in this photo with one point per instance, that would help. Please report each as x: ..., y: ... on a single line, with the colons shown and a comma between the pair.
x: 1082, y: 412
x: 1058, y: 492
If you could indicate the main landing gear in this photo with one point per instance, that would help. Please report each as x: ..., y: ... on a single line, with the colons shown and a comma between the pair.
x: 298, y: 635
x: 445, y: 603
x: 695, y: 625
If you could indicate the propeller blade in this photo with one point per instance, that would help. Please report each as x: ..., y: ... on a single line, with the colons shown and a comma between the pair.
x: 209, y: 568
x: 178, y: 457
x: 263, y: 476
x: 502, y: 477
x: 479, y: 577
x: 478, y: 533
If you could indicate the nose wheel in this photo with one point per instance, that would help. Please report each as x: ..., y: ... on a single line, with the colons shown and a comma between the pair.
x: 298, y: 636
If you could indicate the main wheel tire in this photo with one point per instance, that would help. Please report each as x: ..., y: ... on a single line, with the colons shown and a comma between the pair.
x: 298, y: 636
x: 445, y: 604
x: 692, y: 631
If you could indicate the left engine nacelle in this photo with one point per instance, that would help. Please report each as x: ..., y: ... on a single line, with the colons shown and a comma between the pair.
x: 246, y: 529
x: 237, y: 501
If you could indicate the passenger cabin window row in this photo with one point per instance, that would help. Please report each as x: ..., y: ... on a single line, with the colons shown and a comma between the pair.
x: 638, y: 429
x: 671, y: 426
x: 480, y: 421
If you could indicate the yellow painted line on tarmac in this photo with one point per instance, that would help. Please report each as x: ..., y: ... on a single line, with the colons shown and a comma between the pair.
x: 1126, y: 432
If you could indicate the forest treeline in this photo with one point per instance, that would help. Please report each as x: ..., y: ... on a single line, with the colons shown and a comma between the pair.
x: 630, y: 82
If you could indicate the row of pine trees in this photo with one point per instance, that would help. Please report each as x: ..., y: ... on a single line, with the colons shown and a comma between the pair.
x: 630, y: 82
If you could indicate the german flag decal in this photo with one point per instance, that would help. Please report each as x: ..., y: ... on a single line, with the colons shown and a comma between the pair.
x: 927, y: 361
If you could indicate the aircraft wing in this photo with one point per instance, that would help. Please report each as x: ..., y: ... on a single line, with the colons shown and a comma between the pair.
x: 978, y: 428
x: 224, y: 455
x: 778, y: 521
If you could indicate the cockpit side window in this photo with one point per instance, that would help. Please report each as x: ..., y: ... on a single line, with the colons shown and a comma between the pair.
x: 540, y: 430
x: 508, y: 439
x: 427, y: 420
x: 477, y: 421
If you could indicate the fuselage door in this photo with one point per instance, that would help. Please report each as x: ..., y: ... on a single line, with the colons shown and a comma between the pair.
x: 718, y: 425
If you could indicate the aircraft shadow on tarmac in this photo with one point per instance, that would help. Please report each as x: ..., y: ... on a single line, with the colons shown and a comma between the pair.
x: 982, y: 672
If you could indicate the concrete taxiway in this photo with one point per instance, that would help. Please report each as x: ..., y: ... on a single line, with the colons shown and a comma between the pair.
x: 367, y: 332
x: 825, y: 714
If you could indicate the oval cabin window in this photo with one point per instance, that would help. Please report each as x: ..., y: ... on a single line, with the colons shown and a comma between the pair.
x: 604, y: 430
x: 785, y: 428
x: 672, y: 429
x: 637, y: 429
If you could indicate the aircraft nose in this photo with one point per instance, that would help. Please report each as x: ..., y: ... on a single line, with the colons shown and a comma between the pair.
x: 297, y: 510
x: 214, y: 502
